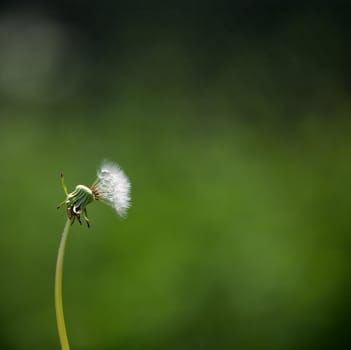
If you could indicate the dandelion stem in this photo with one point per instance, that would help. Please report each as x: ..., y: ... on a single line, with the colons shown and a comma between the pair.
x: 61, y: 327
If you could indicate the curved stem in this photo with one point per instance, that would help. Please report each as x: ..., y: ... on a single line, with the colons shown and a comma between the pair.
x: 58, y: 288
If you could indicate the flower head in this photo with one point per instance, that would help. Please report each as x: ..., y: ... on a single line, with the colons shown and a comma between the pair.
x: 112, y: 186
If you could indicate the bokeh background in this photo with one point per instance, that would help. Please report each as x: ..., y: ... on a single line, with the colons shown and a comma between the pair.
x: 231, y: 119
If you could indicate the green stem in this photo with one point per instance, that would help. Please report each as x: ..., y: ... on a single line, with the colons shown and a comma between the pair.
x: 58, y: 289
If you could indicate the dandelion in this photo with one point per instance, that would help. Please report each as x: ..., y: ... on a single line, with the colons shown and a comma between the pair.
x: 112, y: 187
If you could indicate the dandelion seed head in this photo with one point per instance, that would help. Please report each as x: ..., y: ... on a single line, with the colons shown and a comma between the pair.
x: 113, y: 187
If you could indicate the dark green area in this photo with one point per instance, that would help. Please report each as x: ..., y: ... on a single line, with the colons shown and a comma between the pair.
x: 236, y: 137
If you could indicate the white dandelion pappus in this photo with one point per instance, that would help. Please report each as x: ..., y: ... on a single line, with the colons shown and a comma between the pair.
x: 113, y: 187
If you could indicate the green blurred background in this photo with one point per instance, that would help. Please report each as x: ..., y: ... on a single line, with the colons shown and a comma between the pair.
x: 232, y: 122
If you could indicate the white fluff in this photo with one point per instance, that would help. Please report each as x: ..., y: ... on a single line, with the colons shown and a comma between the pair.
x: 113, y: 186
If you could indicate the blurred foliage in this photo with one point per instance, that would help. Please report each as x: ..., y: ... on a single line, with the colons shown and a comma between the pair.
x: 238, y: 150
